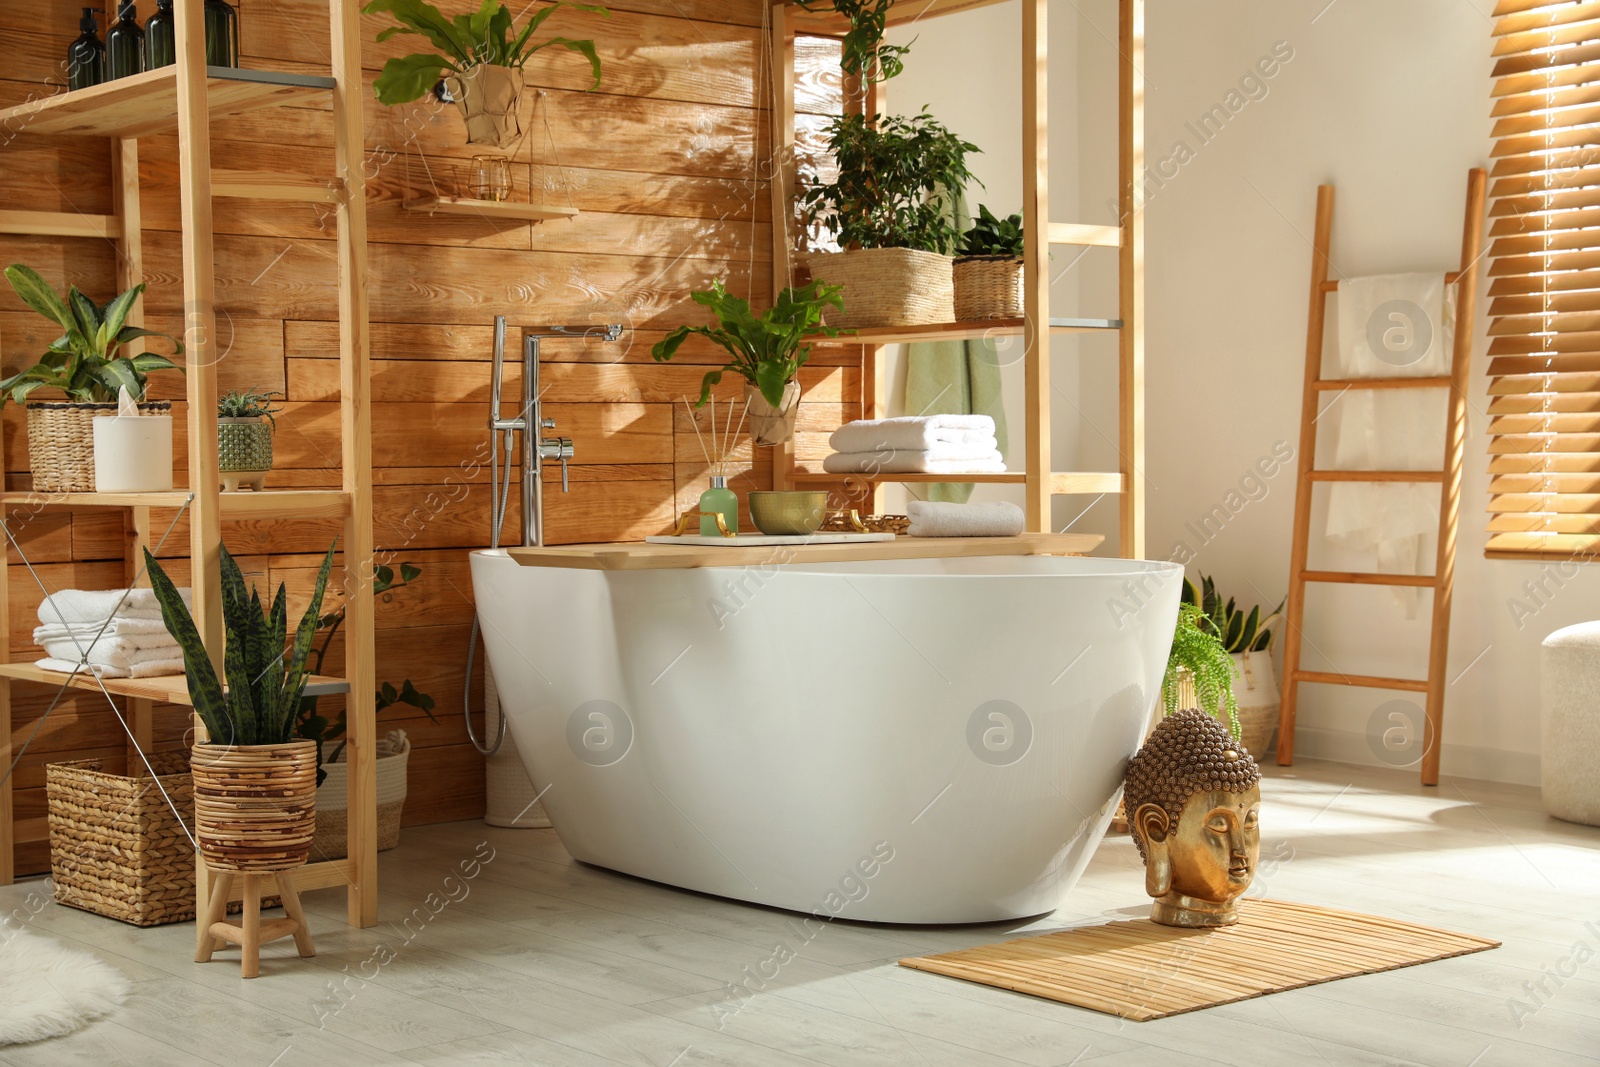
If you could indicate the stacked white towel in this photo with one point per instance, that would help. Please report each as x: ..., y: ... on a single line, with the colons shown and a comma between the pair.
x: 933, y: 518
x: 924, y: 444
x: 115, y: 633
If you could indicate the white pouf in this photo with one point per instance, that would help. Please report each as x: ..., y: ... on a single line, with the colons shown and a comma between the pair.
x: 1569, y: 756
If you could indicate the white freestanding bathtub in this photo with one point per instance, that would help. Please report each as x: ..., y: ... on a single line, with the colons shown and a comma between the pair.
x: 914, y: 741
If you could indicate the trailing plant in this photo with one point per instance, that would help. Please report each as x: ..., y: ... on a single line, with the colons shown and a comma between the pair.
x: 863, y: 53
x: 1239, y: 632
x: 1197, y: 649
x: 83, y: 362
x: 487, y: 37
x: 312, y: 726
x: 266, y: 672
x: 768, y: 349
x: 247, y: 404
x: 991, y: 236
x: 896, y: 180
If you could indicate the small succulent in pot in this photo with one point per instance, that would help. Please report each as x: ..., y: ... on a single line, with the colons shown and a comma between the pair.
x: 244, y: 441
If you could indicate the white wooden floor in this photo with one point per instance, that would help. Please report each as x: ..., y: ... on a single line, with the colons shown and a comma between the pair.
x: 542, y: 961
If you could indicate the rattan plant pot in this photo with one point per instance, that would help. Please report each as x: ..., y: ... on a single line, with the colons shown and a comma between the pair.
x: 255, y: 805
x: 987, y: 287
x: 887, y: 287
x: 772, y: 425
x: 332, y: 841
x: 116, y: 848
x: 61, y: 442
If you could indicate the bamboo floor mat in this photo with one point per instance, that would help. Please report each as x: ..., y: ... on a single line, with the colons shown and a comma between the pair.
x: 1140, y: 970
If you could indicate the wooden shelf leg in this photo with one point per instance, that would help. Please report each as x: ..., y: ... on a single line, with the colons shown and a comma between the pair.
x: 216, y: 911
x: 291, y: 907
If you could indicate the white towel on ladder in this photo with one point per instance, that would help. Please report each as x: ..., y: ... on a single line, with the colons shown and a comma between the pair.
x: 1390, y: 326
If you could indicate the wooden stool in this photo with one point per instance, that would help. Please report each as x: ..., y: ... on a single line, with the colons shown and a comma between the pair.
x: 214, y: 932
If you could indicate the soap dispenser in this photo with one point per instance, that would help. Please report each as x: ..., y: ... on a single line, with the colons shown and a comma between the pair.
x: 160, y: 38
x: 86, y: 59
x: 222, y: 34
x: 125, y: 43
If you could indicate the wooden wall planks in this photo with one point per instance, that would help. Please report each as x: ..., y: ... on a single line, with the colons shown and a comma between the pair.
x: 666, y: 162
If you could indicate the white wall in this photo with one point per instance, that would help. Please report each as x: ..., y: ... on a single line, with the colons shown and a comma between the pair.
x: 1388, y: 101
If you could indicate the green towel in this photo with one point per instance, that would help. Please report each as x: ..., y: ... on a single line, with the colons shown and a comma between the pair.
x: 955, y: 378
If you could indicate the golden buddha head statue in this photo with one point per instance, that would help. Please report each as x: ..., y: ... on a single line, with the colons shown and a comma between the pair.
x: 1193, y: 798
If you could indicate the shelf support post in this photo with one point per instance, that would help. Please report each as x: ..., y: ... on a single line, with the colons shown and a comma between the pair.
x: 1036, y: 260
x: 1130, y: 257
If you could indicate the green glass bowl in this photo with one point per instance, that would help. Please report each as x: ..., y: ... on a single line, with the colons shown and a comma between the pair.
x: 788, y: 513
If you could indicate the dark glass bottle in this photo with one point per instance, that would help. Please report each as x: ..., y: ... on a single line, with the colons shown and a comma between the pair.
x: 86, y: 59
x: 222, y: 34
x: 160, y: 38
x: 125, y: 43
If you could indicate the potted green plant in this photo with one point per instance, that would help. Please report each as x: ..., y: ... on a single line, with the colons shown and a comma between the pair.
x: 1199, y: 670
x: 1247, y: 638
x: 988, y: 270
x: 328, y: 734
x: 890, y: 210
x: 255, y: 783
x: 83, y: 363
x: 480, y: 58
x: 244, y: 440
x: 768, y: 350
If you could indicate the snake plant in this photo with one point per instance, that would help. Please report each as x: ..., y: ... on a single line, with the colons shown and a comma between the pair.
x: 1197, y: 649
x: 1239, y: 632
x: 266, y: 675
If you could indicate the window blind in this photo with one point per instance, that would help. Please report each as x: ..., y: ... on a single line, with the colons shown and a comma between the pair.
x: 1544, y: 271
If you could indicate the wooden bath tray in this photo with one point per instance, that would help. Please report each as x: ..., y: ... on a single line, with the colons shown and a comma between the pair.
x: 640, y: 555
x: 766, y: 540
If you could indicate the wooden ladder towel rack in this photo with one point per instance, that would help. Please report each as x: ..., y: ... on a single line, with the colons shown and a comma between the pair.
x: 1442, y: 580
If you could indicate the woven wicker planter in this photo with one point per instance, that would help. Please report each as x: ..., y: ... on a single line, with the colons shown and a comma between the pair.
x: 333, y: 800
x: 255, y: 805
x: 116, y: 848
x: 887, y: 286
x: 987, y: 287
x: 61, y: 442
x: 770, y: 425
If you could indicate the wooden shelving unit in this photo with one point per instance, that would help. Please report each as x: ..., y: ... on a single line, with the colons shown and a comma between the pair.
x: 185, y: 99
x: 489, y: 209
x: 1040, y: 483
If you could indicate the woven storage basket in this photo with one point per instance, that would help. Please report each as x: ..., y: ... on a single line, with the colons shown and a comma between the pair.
x: 255, y: 805
x: 887, y: 286
x: 987, y: 287
x: 333, y: 800
x: 116, y: 848
x: 61, y: 442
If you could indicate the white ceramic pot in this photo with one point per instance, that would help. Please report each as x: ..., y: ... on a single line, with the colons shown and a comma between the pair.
x: 1255, y: 688
x: 333, y: 799
x: 133, y: 455
x: 772, y: 425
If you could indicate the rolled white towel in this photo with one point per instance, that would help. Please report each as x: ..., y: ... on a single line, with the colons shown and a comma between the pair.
x: 951, y: 459
x: 151, y: 669
x: 143, y: 633
x: 932, y: 518
x: 915, y: 432
x: 77, y: 606
x: 118, y: 652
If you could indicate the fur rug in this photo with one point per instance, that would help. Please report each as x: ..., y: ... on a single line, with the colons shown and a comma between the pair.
x: 47, y: 989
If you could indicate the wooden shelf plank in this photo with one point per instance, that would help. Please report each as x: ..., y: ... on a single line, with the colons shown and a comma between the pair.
x: 957, y: 331
x: 638, y: 555
x: 488, y: 209
x: 903, y: 12
x: 803, y: 477
x: 269, y: 504
x: 59, y: 224
x: 1079, y: 233
x: 1323, y: 385
x: 167, y: 689
x: 146, y: 104
x: 265, y: 185
x: 1375, y: 476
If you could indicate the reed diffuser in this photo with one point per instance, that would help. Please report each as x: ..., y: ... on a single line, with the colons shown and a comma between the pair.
x: 718, y: 499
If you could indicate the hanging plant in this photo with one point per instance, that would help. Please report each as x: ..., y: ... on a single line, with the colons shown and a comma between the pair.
x: 1198, y: 650
x: 864, y: 54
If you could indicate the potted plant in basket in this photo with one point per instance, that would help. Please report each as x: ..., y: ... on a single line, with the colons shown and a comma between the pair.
x: 1247, y: 638
x: 480, y: 58
x: 768, y: 350
x: 988, y: 272
x: 328, y: 735
x: 84, y: 364
x: 889, y: 209
x: 244, y: 441
x: 255, y: 784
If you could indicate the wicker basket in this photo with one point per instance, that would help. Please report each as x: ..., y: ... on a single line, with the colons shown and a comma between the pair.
x: 988, y: 287
x: 255, y: 805
x: 887, y: 286
x: 116, y: 848
x: 61, y: 442
x: 333, y: 800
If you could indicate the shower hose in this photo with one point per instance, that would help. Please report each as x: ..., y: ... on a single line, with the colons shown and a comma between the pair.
x: 497, y: 517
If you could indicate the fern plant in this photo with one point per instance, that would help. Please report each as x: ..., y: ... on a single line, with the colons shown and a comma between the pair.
x: 266, y: 673
x: 1197, y: 649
